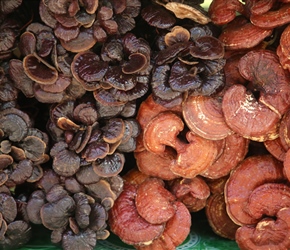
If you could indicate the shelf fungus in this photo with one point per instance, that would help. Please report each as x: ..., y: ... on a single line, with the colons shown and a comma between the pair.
x: 250, y: 174
x: 147, y: 215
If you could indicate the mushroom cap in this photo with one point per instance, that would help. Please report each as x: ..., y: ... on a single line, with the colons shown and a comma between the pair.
x: 218, y: 218
x: 38, y: 70
x: 157, y: 16
x: 254, y: 171
x: 125, y: 221
x: 204, y: 116
x: 111, y: 165
x: 248, y: 117
x: 55, y: 215
x: 85, y: 240
x: 154, y: 202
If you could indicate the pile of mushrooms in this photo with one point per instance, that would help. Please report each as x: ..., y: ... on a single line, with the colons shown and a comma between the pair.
x: 126, y: 117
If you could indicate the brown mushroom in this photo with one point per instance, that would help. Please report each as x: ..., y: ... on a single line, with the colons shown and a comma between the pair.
x: 267, y: 233
x: 250, y: 174
x: 153, y: 202
x: 193, y: 193
x: 248, y: 117
x: 234, y: 151
x: 39, y: 70
x: 55, y: 215
x: 8, y: 207
x: 125, y: 221
x: 157, y: 16
x: 218, y: 218
x: 262, y: 68
x: 85, y: 240
x: 34, y: 204
x: 203, y: 115
x: 111, y: 165
x: 241, y: 34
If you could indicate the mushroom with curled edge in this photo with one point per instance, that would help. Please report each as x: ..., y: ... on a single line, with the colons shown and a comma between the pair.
x: 251, y: 173
x: 193, y: 193
x: 263, y: 69
x: 268, y: 199
x: 234, y: 151
x: 182, y: 11
x: 203, y: 115
x: 268, y: 233
x: 37, y: 69
x: 248, y: 117
x: 218, y: 218
x: 283, y: 48
x: 125, y: 221
x: 272, y: 18
x: 242, y: 34
x: 163, y: 130
x: 157, y: 16
x: 154, y: 202
x: 222, y: 12
x: 175, y: 232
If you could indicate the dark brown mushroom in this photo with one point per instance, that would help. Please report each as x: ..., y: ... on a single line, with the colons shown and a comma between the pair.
x: 111, y: 165
x: 39, y: 70
x: 85, y: 240
x: 83, y: 210
x: 65, y: 162
x: 8, y: 207
x: 22, y: 171
x: 55, y: 215
x: 157, y: 16
x: 208, y: 48
x: 18, y: 233
x: 101, y: 189
x: 87, y: 175
x: 5, y: 161
x: 34, y: 204
x: 98, y: 217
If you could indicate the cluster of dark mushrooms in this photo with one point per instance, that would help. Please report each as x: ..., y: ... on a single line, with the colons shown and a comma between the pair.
x: 126, y: 117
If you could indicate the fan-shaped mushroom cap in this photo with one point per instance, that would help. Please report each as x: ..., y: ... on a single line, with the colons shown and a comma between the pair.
x: 125, y: 221
x: 250, y: 173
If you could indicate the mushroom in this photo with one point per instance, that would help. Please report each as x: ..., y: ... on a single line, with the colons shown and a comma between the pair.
x: 234, y: 151
x: 153, y: 202
x: 221, y: 12
x: 252, y: 172
x: 182, y: 11
x: 39, y: 70
x: 34, y: 204
x: 268, y: 232
x: 8, y: 207
x: 273, y: 17
x: 208, y: 48
x: 170, y: 124
x: 111, y: 165
x: 55, y: 215
x: 203, y: 115
x: 193, y: 193
x: 125, y: 221
x: 248, y: 117
x: 157, y: 16
x: 85, y: 240
x: 242, y: 34
x: 83, y: 210
x: 218, y: 218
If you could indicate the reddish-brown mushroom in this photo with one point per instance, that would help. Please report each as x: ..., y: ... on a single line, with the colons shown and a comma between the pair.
x: 268, y: 233
x: 250, y: 174
x: 248, y: 117
x: 153, y: 202
x: 125, y: 221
